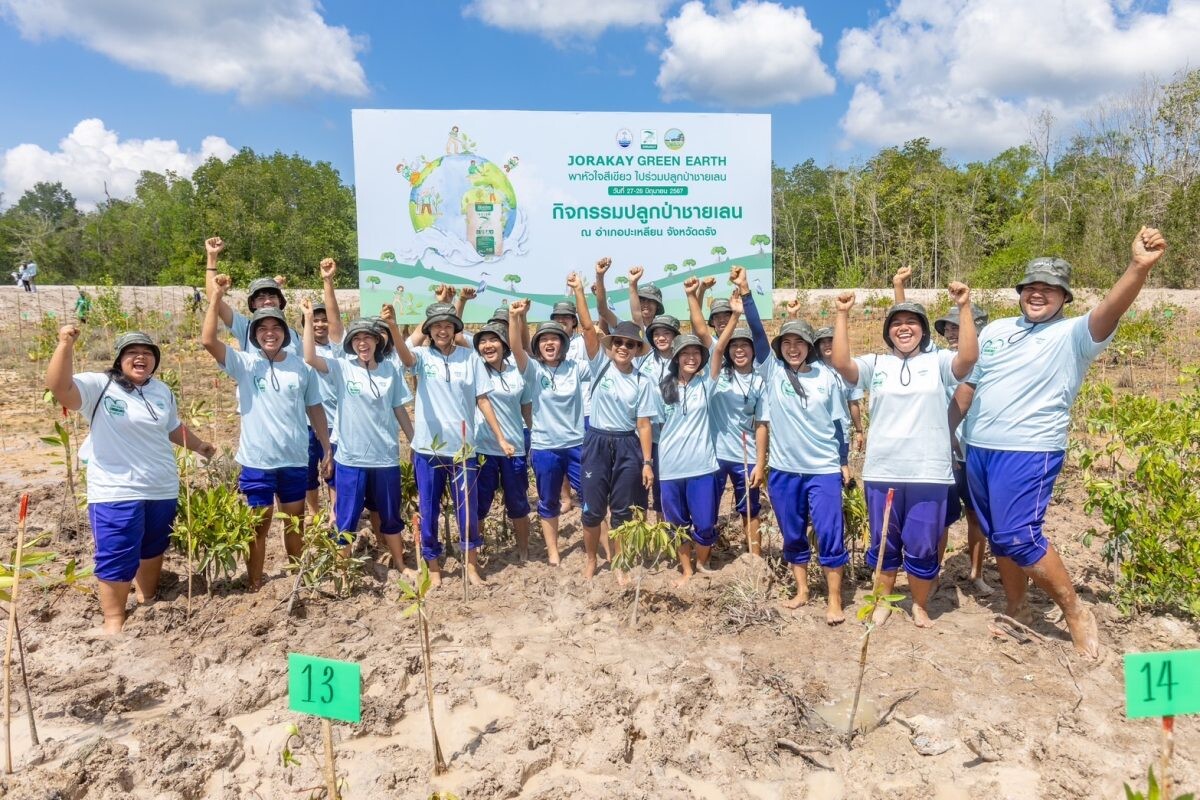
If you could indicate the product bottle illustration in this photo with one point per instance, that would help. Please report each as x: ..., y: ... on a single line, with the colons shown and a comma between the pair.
x: 485, y: 226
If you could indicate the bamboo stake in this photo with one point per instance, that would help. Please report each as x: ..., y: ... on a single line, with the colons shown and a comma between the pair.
x: 862, y: 653
x: 8, y: 644
x: 466, y: 527
x: 187, y: 495
x: 439, y: 762
x: 1166, y: 787
x: 330, y: 768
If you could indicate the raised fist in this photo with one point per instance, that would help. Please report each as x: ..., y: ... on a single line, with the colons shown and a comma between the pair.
x: 214, y: 246
x: 635, y: 274
x: 690, y: 285
x: 844, y: 302
x: 737, y: 276
x: 222, y: 284
x: 387, y: 312
x: 67, y: 334
x: 602, y: 265
x: 960, y: 293
x: 328, y: 268
x: 901, y: 277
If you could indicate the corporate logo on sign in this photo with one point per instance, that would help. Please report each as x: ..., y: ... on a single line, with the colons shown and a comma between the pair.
x: 649, y: 139
x: 624, y: 137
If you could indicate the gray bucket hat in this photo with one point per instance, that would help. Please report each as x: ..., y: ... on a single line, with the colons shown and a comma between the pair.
x: 265, y: 285
x: 565, y: 308
x: 649, y: 291
x: 364, y: 325
x: 382, y: 328
x: 551, y: 328
x: 319, y: 307
x: 627, y: 330
x: 952, y: 316
x: 1052, y: 271
x: 795, y: 327
x: 497, y: 330
x: 822, y: 333
x: 441, y: 312
x: 689, y: 340
x: 719, y: 306
x: 911, y: 308
x: 663, y: 321
x: 500, y: 316
x: 268, y: 313
x: 129, y: 340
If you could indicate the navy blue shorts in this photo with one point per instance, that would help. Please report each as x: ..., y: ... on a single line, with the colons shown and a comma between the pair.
x: 734, y: 471
x: 374, y: 488
x: 612, y: 476
x: 129, y: 532
x: 549, y: 467
x: 798, y: 499
x: 914, y: 529
x: 315, y: 454
x: 692, y: 503
x: 958, y: 497
x: 510, y: 475
x: 262, y: 486
x: 1010, y: 492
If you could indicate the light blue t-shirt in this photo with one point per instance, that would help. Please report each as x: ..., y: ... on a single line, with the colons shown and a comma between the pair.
x: 618, y: 399
x: 368, y: 431
x: 654, y: 368
x: 447, y: 388
x: 273, y: 399
x: 1025, y: 381
x: 328, y: 388
x: 577, y: 351
x: 801, y: 428
x: 909, y: 438
x: 841, y: 395
x: 240, y: 330
x: 558, y: 396
x: 685, y: 444
x: 737, y: 401
x: 127, y: 452
x: 509, y: 392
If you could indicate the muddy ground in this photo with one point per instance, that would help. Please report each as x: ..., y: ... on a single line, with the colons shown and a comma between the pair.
x: 544, y: 690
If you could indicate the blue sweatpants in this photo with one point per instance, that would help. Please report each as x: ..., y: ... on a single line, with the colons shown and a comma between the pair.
x: 612, y: 476
x: 374, y: 488
x: 549, y: 467
x: 432, y: 472
x: 914, y: 529
x: 1010, y: 492
x: 734, y: 471
x: 509, y: 475
x: 797, y: 499
x: 692, y: 503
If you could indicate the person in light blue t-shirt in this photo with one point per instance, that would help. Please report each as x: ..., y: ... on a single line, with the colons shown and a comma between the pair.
x: 805, y: 480
x: 132, y: 474
x: 452, y: 384
x: 908, y: 447
x: 510, y: 397
x: 686, y: 453
x: 371, y: 394
x: 1019, y: 395
x: 262, y: 293
x: 277, y: 395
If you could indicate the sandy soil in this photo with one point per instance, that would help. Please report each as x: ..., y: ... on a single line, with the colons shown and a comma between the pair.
x: 544, y: 690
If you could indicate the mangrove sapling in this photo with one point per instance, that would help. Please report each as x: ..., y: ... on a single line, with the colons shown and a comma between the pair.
x: 325, y: 557
x: 642, y: 546
x: 872, y: 602
x: 62, y: 439
x: 215, y: 531
x: 333, y: 787
x: 417, y: 596
x: 1155, y: 791
x: 12, y: 624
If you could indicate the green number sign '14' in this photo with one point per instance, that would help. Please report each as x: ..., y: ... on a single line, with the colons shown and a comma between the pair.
x: 324, y: 688
x: 1162, y: 684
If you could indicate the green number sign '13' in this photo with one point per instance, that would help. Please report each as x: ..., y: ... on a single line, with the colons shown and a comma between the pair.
x: 324, y: 688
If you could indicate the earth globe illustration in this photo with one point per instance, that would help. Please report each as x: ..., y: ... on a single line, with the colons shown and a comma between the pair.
x: 450, y: 192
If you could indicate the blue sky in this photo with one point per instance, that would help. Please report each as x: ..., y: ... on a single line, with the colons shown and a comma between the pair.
x: 96, y: 91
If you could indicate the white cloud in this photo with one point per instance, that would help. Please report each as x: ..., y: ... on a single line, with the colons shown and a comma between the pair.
x: 92, y: 157
x: 971, y: 74
x: 260, y: 50
x: 561, y: 20
x: 757, y: 54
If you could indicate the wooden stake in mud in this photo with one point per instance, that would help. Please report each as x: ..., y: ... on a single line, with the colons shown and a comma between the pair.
x: 466, y: 528
x: 1168, y: 751
x: 187, y: 499
x: 33, y: 737
x: 331, y: 787
x: 8, y: 644
x: 875, y: 589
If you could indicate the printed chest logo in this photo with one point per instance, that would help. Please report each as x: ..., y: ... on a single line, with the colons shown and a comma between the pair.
x: 260, y: 385
x: 878, y: 379
x: 114, y: 407
x: 993, y: 346
x: 545, y: 382
x: 353, y: 388
x: 430, y: 371
x: 785, y: 386
x: 607, y: 384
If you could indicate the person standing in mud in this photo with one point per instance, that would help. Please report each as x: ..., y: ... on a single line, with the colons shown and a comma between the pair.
x: 451, y: 384
x: 618, y: 468
x: 1020, y: 394
x: 279, y: 396
x: 908, y: 444
x: 132, y: 474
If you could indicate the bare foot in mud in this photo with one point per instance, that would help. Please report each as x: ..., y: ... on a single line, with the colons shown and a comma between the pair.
x: 800, y: 599
x: 921, y: 617
x: 981, y: 586
x: 1022, y: 613
x: 435, y: 576
x: 1085, y: 633
x: 474, y: 576
x: 880, y: 615
x: 589, y: 569
x: 834, y: 615
x: 682, y: 580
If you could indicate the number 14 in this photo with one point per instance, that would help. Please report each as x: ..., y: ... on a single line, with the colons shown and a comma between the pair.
x: 1164, y: 680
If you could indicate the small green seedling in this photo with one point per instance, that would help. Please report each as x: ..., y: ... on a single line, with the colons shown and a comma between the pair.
x: 641, y: 547
x: 417, y: 596
x: 1154, y: 791
x: 325, y: 558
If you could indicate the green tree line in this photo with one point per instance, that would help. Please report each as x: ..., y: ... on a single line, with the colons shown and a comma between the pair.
x: 1135, y: 161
